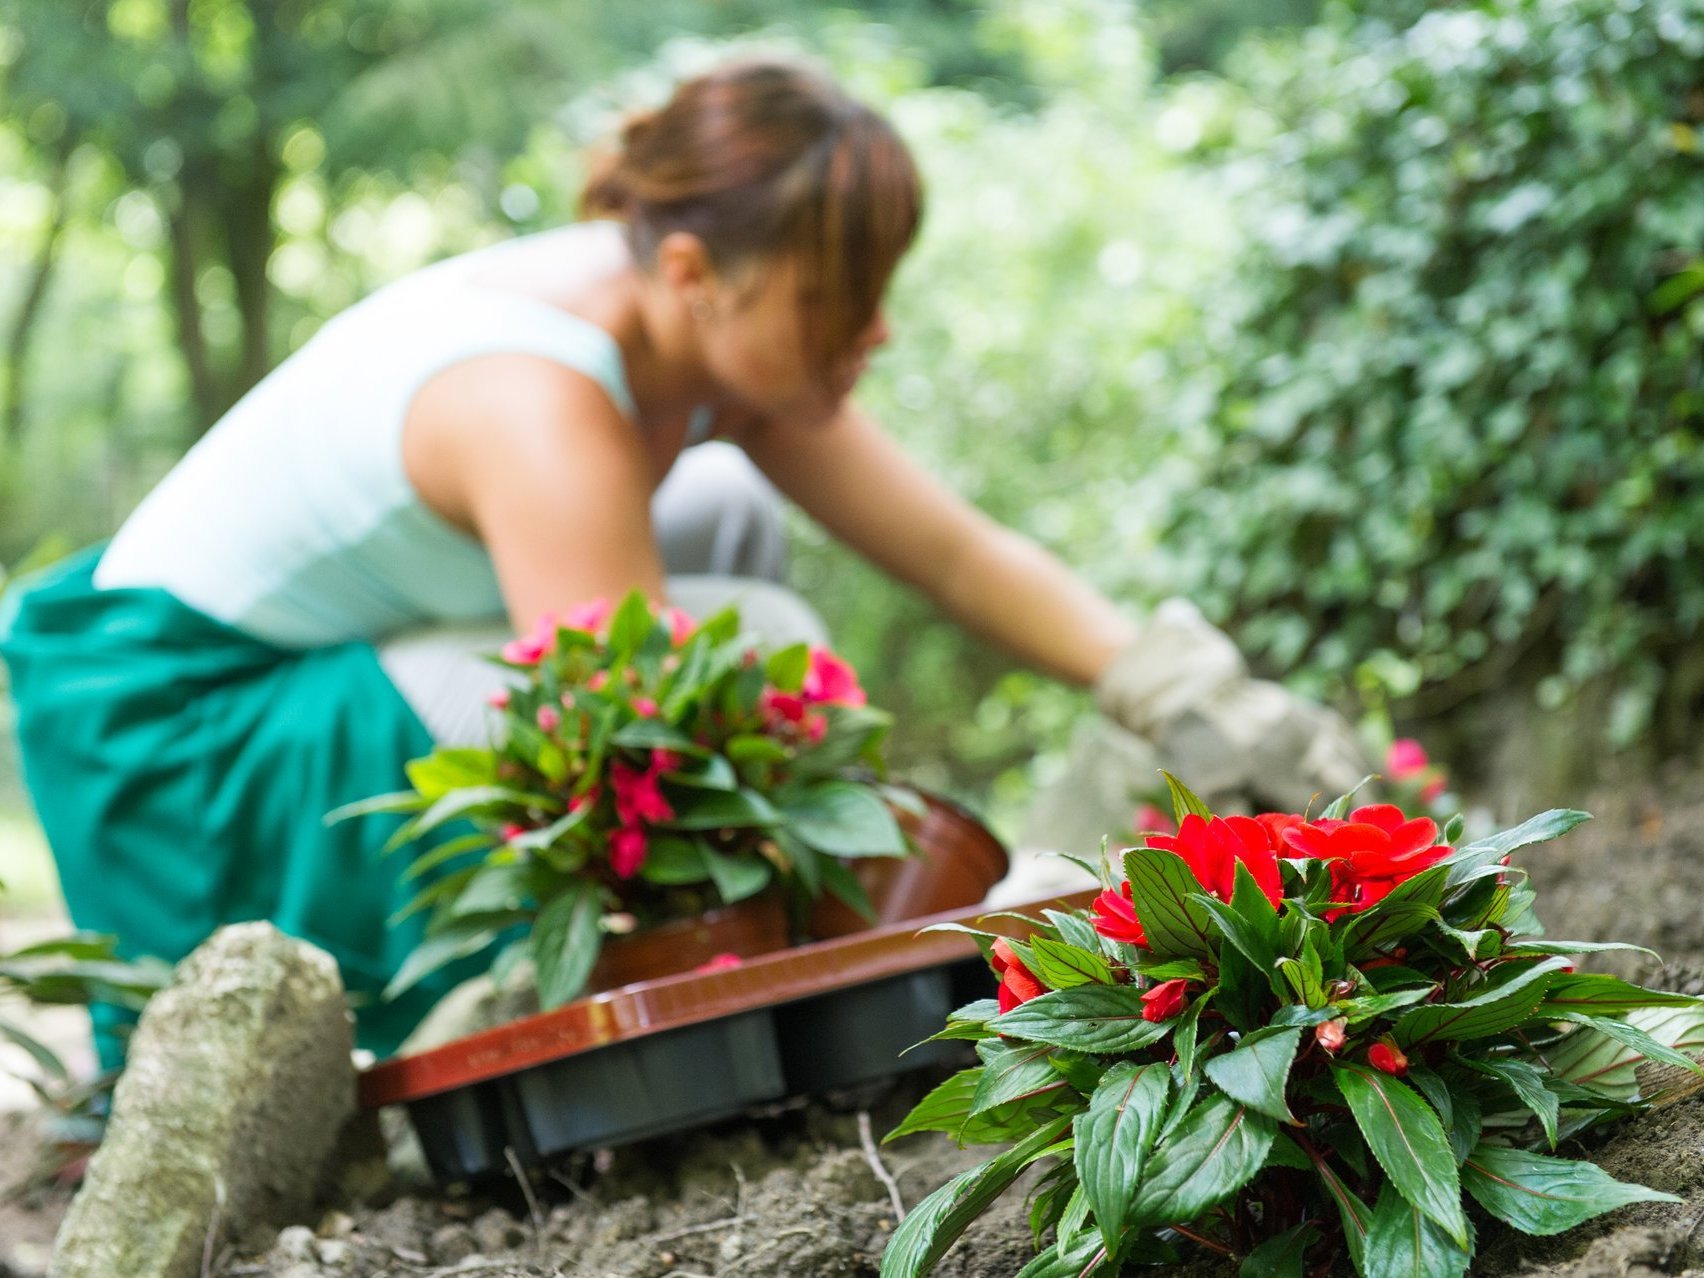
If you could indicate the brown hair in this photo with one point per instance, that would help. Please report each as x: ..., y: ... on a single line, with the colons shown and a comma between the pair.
x: 764, y: 160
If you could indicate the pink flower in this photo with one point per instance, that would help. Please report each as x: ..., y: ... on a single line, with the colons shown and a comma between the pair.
x: 680, y: 625
x: 1151, y: 820
x: 1433, y: 788
x: 586, y: 800
x: 1405, y: 758
x: 529, y: 649
x: 720, y: 963
x: 1165, y: 1000
x: 665, y: 761
x: 644, y: 707
x: 829, y: 681
x: 637, y: 798
x: 549, y: 718
x: 590, y: 616
x: 1115, y: 916
x: 1387, y: 1056
x: 1331, y: 1034
x: 498, y: 700
x: 598, y: 681
x: 626, y: 851
x: 512, y: 832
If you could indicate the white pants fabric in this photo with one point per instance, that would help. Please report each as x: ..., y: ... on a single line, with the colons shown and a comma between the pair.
x: 718, y: 524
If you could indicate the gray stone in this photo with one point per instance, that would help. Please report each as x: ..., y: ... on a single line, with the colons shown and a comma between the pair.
x: 239, y: 1079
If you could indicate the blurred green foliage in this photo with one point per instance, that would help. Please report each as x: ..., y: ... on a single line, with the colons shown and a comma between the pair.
x: 1374, y: 327
x: 1456, y: 444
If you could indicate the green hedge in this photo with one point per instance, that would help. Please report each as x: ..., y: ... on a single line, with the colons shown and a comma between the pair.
x: 1457, y: 428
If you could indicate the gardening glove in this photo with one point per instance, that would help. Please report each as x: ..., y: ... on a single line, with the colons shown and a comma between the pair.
x: 1182, y: 684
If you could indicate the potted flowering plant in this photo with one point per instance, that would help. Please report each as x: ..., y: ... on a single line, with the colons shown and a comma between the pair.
x: 646, y: 768
x: 1291, y: 1041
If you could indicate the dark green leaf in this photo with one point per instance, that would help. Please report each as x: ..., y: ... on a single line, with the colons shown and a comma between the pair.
x: 1162, y: 888
x: 1597, y: 995
x: 787, y: 667
x: 1408, y: 1141
x: 1257, y: 1071
x: 737, y: 876
x: 1092, y: 1018
x: 1405, y: 912
x: 1501, y: 1007
x: 1113, y: 1138
x: 1062, y: 967
x: 565, y: 944
x: 1280, y: 1256
x: 1084, y: 1258
x: 1542, y: 1195
x: 1184, y: 800
x: 1636, y: 1038
x: 1526, y: 1081
x: 1403, y: 1243
x: 718, y: 809
x: 1212, y: 1153
x: 843, y: 819
x: 1011, y: 1072
x: 1338, y: 808
x: 1539, y: 829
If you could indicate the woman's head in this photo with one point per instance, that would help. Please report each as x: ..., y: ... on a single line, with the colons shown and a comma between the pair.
x: 800, y: 202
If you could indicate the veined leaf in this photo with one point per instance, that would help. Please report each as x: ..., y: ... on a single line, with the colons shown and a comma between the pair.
x: 739, y: 876
x: 1406, y: 1137
x: 1403, y: 1243
x: 1161, y: 888
x: 1499, y: 1008
x: 1092, y: 1018
x: 1012, y: 1072
x: 565, y: 944
x: 1061, y: 966
x: 1636, y: 1038
x: 1212, y: 1153
x: 1542, y: 1195
x: 1282, y: 1256
x: 1338, y: 808
x: 1526, y: 1081
x: 1082, y: 1258
x: 1256, y: 1072
x: 936, y: 1223
x: 1113, y: 1137
x: 1410, y: 905
x: 843, y: 819
x: 1184, y: 800
x: 1539, y: 829
x: 1357, y: 1217
x: 1598, y: 995
x: 1534, y: 945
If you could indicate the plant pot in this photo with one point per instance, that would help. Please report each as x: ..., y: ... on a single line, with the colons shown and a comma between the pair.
x: 958, y: 860
x: 757, y: 925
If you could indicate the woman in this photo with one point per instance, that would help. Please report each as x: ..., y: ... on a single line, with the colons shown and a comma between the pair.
x: 273, y: 632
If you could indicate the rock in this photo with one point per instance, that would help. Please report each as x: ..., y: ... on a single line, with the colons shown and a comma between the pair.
x: 238, y: 1082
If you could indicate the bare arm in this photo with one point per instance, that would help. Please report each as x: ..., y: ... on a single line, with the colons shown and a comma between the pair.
x: 534, y: 460
x: 854, y: 480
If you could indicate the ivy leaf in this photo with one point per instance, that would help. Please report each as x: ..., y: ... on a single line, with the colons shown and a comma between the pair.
x: 1403, y: 1243
x: 924, y: 1236
x: 1538, y: 1194
x: 1408, y: 1140
x: 1501, y: 1007
x: 1162, y: 888
x: 565, y: 944
x: 1257, y: 1071
x: 1113, y: 1138
x: 1212, y: 1153
x: 1092, y: 1018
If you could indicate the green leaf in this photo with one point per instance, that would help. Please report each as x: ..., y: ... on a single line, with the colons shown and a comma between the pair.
x: 473, y: 801
x: 1162, y: 888
x: 674, y: 861
x: 1184, y: 800
x: 1598, y: 995
x: 1082, y: 1259
x: 1258, y: 1070
x: 402, y: 801
x: 1338, y: 808
x: 439, y: 950
x: 1407, y: 1139
x: 1483, y: 852
x: 654, y: 734
x: 1092, y: 1018
x: 451, y: 768
x: 924, y: 1236
x: 1062, y: 967
x: 448, y: 850
x: 1206, y: 1158
x: 43, y: 1055
x: 737, y: 877
x: 719, y: 809
x: 1542, y: 1195
x: 1357, y: 1217
x: 1075, y: 930
x: 787, y: 667
x: 631, y: 625
x: 944, y: 1109
x: 755, y: 748
x: 1013, y: 1071
x: 1636, y: 1038
x: 1526, y: 1081
x: 843, y: 818
x: 1501, y: 1007
x: 1404, y: 912
x: 565, y: 944
x: 1589, y: 1058
x: 1531, y: 945
x: 1403, y: 1243
x: 1113, y: 1137
x: 1282, y: 1255
x: 1249, y: 922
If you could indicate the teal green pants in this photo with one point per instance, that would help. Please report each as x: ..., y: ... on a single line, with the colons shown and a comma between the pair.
x: 181, y: 770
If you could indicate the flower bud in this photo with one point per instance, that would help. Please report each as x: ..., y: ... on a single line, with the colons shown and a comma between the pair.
x: 1386, y: 1056
x: 1330, y: 1035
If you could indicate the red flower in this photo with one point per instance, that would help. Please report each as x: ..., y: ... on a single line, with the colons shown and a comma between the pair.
x: 627, y: 851
x: 1275, y: 823
x: 637, y: 798
x: 829, y: 681
x: 1374, y: 850
x: 1115, y: 916
x: 1017, y: 983
x: 1165, y: 1000
x: 786, y: 712
x: 1212, y: 849
x: 1330, y: 1035
x: 1387, y: 1056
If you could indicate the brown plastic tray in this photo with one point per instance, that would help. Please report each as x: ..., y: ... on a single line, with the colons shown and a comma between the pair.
x: 670, y: 1053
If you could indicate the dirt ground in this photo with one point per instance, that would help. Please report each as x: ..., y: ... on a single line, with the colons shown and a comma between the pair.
x: 794, y: 1191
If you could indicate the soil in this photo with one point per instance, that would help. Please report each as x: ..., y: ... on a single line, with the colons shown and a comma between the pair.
x: 795, y: 1190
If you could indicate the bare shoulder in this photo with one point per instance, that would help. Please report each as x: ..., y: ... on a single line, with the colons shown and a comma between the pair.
x: 510, y: 413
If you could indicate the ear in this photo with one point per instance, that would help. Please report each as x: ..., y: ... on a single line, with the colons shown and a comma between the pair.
x: 683, y: 263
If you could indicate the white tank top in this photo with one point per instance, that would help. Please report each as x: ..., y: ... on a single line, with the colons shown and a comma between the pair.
x: 293, y: 519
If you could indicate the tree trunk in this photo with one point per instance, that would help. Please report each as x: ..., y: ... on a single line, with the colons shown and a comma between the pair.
x: 35, y: 292
x: 246, y: 213
x: 187, y: 222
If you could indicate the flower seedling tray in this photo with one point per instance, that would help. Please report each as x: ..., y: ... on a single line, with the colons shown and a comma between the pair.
x: 675, y: 1052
